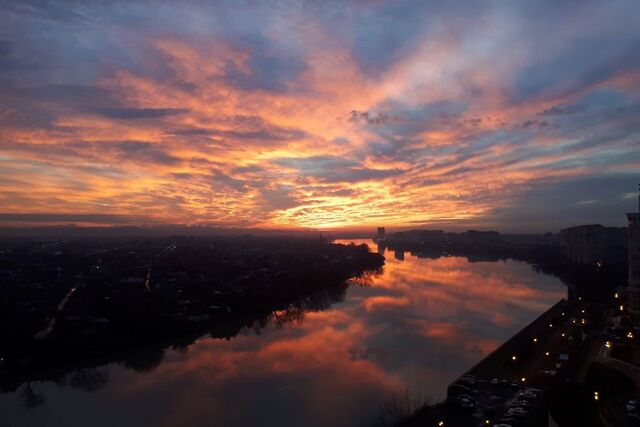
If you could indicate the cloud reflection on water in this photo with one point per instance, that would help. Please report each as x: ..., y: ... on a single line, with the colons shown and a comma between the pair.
x: 419, y: 324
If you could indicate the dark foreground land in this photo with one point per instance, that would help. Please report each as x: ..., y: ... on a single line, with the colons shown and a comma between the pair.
x: 69, y: 303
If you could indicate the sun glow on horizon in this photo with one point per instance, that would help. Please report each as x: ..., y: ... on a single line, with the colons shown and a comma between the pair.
x: 303, y: 118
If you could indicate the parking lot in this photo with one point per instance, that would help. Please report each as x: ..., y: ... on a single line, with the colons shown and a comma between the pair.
x: 497, y: 402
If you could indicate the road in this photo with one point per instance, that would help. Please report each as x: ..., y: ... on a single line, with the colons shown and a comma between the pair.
x: 52, y: 323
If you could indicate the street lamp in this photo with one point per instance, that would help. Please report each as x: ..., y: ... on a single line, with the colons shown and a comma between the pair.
x: 513, y: 358
x: 546, y: 353
x: 440, y: 423
x: 595, y: 395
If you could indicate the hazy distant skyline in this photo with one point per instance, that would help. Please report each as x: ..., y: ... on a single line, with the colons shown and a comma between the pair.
x: 519, y: 115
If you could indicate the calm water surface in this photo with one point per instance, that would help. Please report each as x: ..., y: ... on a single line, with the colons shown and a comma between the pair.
x: 416, y: 326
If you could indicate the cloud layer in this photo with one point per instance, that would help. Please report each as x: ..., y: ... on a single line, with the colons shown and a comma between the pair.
x: 321, y: 114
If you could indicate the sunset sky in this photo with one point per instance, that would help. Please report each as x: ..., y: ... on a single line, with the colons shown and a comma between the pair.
x: 509, y: 115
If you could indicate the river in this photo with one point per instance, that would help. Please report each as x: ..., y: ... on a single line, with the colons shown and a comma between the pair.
x: 411, y: 328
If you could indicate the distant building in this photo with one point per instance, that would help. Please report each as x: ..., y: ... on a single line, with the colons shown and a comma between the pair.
x: 381, y: 233
x: 634, y: 261
x: 593, y: 244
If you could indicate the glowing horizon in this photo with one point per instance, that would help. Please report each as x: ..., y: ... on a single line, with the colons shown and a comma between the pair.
x: 320, y: 115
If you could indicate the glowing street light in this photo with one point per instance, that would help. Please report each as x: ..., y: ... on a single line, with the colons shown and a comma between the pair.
x: 621, y: 307
x: 595, y: 395
x: 441, y: 423
x: 616, y: 296
x: 513, y: 358
x: 546, y: 353
x: 535, y: 340
x: 607, y: 344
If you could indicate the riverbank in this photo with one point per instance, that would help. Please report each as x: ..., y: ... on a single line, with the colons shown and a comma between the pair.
x: 493, y: 385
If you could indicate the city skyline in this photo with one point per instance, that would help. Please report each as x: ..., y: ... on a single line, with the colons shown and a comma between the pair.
x: 327, y: 115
